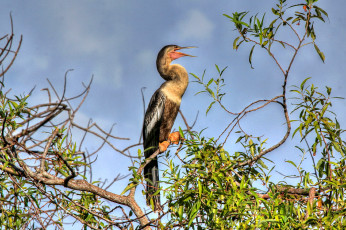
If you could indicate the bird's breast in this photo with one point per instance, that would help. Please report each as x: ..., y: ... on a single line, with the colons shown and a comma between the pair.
x: 173, y: 94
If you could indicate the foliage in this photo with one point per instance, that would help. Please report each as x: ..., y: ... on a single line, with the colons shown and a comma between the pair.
x: 210, y: 191
x: 46, y: 176
x: 29, y: 201
x: 212, y: 188
x: 266, y: 35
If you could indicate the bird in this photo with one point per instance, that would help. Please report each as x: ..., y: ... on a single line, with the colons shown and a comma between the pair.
x: 160, y: 116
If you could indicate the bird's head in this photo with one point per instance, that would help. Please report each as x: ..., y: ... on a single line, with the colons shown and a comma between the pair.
x: 170, y: 52
x: 166, y: 55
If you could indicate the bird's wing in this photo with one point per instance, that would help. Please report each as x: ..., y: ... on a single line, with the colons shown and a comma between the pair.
x: 152, y: 120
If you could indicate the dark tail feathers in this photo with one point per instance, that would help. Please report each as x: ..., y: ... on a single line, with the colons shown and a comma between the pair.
x: 151, y: 174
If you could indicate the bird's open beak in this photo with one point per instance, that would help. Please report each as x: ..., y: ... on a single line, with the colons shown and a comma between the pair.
x: 183, y: 54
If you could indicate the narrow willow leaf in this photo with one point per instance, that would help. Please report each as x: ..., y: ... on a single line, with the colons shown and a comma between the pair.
x: 320, y: 9
x: 209, y: 107
x: 211, y: 81
x: 194, y: 212
x: 295, y: 131
x: 262, y: 164
x: 337, y: 147
x: 295, y: 20
x: 303, y: 83
x: 239, y: 44
x: 283, y: 44
x: 211, y: 92
x: 329, y: 90
x: 128, y: 187
x: 235, y: 43
x: 180, y: 212
x: 181, y: 133
x: 199, y: 189
x: 217, y: 67
x: 319, y: 52
x: 275, y: 11
x: 250, y: 56
x: 272, y: 23
x: 223, y: 70
x: 228, y: 16
x: 217, y: 180
x: 296, y: 5
x: 195, y: 76
x: 292, y: 163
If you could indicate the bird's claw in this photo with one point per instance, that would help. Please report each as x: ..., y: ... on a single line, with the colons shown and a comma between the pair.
x: 163, y: 146
x: 174, y: 138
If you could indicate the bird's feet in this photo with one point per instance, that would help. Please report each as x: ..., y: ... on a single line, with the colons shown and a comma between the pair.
x: 163, y: 146
x: 174, y: 138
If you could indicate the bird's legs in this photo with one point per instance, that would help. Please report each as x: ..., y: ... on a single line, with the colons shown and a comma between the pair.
x: 173, y: 138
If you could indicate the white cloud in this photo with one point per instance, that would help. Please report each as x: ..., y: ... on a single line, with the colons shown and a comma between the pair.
x: 77, y: 23
x: 146, y: 59
x: 110, y: 76
x: 36, y: 62
x: 196, y: 26
x: 82, y: 30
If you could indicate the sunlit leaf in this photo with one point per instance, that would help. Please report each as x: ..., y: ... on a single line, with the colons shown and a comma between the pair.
x: 235, y: 43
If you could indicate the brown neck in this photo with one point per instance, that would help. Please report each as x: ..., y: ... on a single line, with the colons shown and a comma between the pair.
x: 176, y: 78
x: 175, y: 75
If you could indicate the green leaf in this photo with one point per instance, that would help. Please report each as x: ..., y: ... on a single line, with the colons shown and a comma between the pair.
x: 250, y: 56
x: 319, y: 52
x: 303, y: 83
x: 223, y: 70
x: 245, y: 24
x: 239, y: 44
x: 211, y: 92
x: 128, y: 187
x: 194, y: 212
x: 217, y: 180
x: 283, y: 44
x: 181, y: 133
x: 329, y: 90
x: 320, y: 166
x: 320, y: 9
x: 337, y: 147
x: 295, y: 131
x: 275, y: 11
x: 226, y: 15
x: 265, y: 43
x: 181, y: 212
x: 15, y: 105
x: 262, y: 164
x: 272, y: 23
x: 268, y: 220
x: 195, y: 76
x: 210, y: 81
x: 239, y: 139
x: 217, y: 67
x: 235, y: 43
x: 292, y: 163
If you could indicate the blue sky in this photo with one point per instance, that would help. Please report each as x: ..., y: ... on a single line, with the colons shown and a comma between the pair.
x: 117, y: 42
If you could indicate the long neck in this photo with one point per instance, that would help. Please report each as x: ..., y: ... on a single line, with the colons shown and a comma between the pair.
x: 176, y: 78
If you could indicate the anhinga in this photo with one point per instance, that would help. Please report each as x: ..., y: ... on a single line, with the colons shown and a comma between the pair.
x: 161, y: 113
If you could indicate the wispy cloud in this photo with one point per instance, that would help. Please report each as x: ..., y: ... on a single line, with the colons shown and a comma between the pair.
x: 195, y: 26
